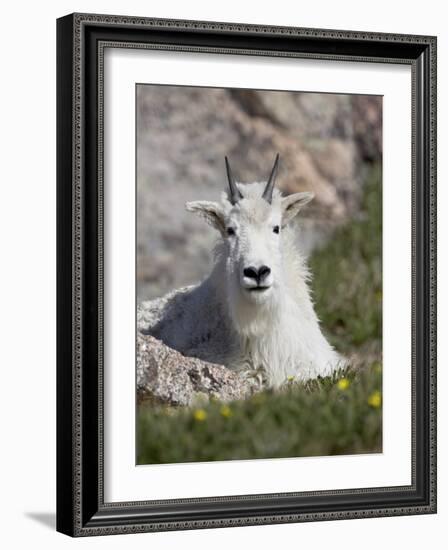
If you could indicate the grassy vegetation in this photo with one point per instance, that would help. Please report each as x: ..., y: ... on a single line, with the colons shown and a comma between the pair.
x: 347, y: 276
x: 326, y: 417
x: 341, y: 414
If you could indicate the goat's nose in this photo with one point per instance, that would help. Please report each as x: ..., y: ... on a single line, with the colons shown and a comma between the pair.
x: 258, y: 274
x: 263, y: 272
x: 251, y: 273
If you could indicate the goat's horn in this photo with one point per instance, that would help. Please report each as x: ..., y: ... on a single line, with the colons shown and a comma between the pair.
x: 235, y: 193
x: 267, y: 193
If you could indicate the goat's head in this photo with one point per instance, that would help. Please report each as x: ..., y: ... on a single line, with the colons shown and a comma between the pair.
x: 250, y: 219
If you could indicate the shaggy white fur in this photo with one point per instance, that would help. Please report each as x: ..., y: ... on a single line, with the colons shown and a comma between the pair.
x: 263, y: 325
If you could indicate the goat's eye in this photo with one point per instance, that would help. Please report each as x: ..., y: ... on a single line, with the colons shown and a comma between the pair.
x: 276, y: 229
x: 230, y: 231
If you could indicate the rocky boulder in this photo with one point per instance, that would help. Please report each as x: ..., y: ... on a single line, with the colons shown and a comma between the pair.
x: 166, y: 377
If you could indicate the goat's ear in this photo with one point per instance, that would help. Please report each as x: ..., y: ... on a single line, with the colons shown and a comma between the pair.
x: 210, y: 211
x: 292, y: 204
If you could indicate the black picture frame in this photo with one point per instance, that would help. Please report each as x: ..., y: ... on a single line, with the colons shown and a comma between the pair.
x: 81, y: 510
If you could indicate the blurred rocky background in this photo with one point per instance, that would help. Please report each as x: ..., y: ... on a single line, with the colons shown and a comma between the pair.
x: 327, y: 142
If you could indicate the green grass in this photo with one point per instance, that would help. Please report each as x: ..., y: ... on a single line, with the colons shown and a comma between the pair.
x: 341, y: 414
x: 302, y: 420
x: 347, y: 279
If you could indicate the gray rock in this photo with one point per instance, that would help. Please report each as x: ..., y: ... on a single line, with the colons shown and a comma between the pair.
x: 164, y: 376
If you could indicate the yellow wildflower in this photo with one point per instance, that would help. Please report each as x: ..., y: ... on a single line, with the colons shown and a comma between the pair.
x: 374, y: 399
x: 200, y: 415
x: 290, y: 378
x: 226, y: 411
x: 343, y: 383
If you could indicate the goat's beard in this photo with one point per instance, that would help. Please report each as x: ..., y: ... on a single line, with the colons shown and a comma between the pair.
x: 252, y: 313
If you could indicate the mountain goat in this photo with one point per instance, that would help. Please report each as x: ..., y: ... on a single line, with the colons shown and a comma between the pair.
x: 253, y: 312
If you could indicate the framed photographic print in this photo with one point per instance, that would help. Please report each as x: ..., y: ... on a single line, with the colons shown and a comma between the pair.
x: 246, y: 274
